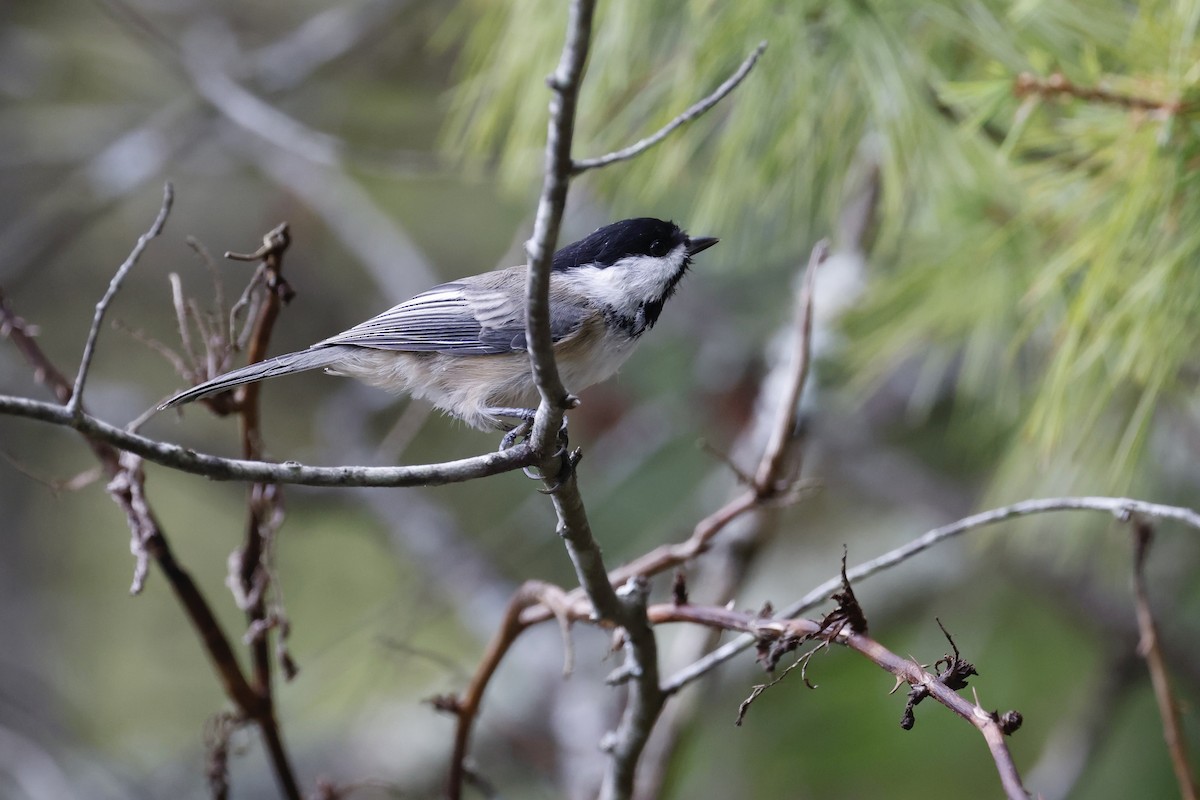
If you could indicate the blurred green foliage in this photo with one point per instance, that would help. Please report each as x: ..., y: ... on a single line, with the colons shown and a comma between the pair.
x: 1036, y: 248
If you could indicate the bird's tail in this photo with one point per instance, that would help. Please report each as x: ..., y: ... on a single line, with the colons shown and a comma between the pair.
x: 313, y: 358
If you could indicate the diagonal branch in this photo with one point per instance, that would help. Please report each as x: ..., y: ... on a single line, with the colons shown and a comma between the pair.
x: 466, y: 706
x: 89, y: 348
x: 770, y: 467
x: 1120, y: 507
x: 639, y: 147
x: 776, y: 629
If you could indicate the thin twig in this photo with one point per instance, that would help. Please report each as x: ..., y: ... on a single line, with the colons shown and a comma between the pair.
x: 1150, y: 649
x: 1057, y: 84
x: 182, y: 315
x: 214, y: 275
x: 89, y: 348
x: 1120, y: 507
x: 776, y: 451
x: 637, y: 148
x: 466, y: 706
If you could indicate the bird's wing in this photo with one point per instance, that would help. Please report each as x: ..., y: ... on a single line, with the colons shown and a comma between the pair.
x: 469, y: 317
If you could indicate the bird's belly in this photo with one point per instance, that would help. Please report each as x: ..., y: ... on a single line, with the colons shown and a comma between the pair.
x: 467, y: 386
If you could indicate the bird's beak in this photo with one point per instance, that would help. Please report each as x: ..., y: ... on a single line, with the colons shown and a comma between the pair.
x: 699, y: 243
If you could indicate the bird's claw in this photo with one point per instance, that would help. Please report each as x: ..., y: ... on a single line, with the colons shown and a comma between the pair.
x: 567, y: 464
x: 517, y: 432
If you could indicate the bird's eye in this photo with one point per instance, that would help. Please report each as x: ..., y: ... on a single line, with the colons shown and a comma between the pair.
x: 659, y: 248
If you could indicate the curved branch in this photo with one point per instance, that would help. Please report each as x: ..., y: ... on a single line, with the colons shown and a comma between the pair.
x: 627, y: 608
x: 1120, y: 507
x: 233, y: 469
x: 637, y: 148
x: 466, y: 706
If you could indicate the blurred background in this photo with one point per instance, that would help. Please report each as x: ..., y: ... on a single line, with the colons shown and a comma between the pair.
x: 1012, y: 311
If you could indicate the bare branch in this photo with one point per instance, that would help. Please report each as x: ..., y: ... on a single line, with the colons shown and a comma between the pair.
x: 776, y: 451
x: 89, y: 348
x: 628, y: 608
x: 217, y: 468
x: 466, y: 707
x: 772, y: 629
x: 126, y: 488
x: 645, y: 700
x: 1057, y: 85
x: 1120, y: 507
x: 636, y: 149
x: 564, y: 83
x: 1151, y: 650
x: 254, y: 576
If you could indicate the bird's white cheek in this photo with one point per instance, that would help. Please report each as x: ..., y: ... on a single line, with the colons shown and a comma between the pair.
x: 627, y: 284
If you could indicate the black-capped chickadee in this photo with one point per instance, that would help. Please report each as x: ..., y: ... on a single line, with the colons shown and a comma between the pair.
x: 461, y: 345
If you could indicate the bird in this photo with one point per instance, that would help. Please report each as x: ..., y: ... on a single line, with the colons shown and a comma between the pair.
x: 461, y: 345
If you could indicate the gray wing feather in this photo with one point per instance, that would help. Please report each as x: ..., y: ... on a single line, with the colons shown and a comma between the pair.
x: 458, y: 318
x: 313, y: 358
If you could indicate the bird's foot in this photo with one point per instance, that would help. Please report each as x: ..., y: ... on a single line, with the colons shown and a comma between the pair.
x: 519, y: 431
x: 522, y: 430
x: 516, y: 432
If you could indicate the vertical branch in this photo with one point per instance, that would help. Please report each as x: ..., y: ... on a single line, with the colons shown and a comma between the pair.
x: 263, y: 506
x: 646, y: 698
x: 1151, y: 650
x: 629, y: 610
x: 564, y: 82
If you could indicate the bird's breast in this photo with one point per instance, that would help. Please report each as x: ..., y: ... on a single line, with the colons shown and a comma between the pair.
x: 593, y: 354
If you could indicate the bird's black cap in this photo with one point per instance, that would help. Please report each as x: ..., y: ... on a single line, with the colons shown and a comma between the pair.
x: 641, y: 236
